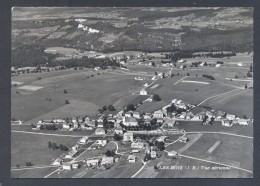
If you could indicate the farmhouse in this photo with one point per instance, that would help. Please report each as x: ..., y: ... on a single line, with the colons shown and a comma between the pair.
x: 128, y: 114
x: 99, y: 131
x: 183, y: 115
x: 66, y: 166
x: 158, y: 114
x: 92, y: 162
x: 227, y: 123
x: 153, y: 154
x: 172, y: 153
x: 83, y: 140
x: 130, y: 121
x: 128, y: 136
x: 118, y: 130
x: 71, y: 154
x: 136, y: 115
x: 107, y: 160
x: 230, y: 116
x: 131, y: 159
x: 143, y: 92
x: 243, y: 122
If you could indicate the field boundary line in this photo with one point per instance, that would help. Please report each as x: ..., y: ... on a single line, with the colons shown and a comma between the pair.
x: 60, y: 135
x: 139, y: 170
x: 51, y: 173
x: 218, y: 95
x: 39, y: 167
x: 224, y: 133
x: 179, y: 80
x: 190, y: 157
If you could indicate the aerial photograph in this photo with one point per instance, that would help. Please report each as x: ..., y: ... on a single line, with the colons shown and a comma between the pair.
x: 132, y: 92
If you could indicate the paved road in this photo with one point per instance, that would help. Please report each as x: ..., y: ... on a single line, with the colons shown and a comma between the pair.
x: 46, y: 134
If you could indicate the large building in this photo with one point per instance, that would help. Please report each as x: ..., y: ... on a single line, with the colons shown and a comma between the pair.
x: 129, y: 121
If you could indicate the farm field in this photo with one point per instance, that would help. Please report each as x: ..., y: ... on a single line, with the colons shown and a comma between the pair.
x: 34, y: 148
x: 32, y: 173
x: 109, y: 89
x: 199, y: 172
x: 189, y: 93
x: 238, y: 103
x: 192, y: 126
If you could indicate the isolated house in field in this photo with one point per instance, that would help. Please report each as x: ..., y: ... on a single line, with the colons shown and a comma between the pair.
x: 158, y: 114
x: 173, y: 154
x: 131, y: 159
x: 128, y: 136
x: 243, y: 122
x: 83, y: 140
x: 100, y: 131
x: 127, y: 121
x: 143, y: 92
x: 182, y: 106
x: 174, y: 101
x: 227, y: 123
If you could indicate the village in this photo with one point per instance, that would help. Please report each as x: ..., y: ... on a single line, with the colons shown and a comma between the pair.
x: 142, y: 133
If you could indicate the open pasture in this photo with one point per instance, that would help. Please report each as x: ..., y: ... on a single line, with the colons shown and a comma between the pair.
x: 86, y: 95
x: 233, y: 150
x: 32, y: 173
x: 196, y: 169
x: 34, y: 148
x: 239, y: 103
x: 192, y: 94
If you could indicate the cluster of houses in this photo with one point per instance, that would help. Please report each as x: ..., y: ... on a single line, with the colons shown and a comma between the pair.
x: 67, y: 124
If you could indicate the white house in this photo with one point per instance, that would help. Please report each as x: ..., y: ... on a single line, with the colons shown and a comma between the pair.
x: 158, y: 114
x: 227, y: 123
x: 107, y: 160
x: 83, y: 140
x: 128, y: 114
x: 136, y: 115
x: 131, y: 159
x: 66, y: 166
x: 128, y: 136
x: 99, y: 131
x: 143, y: 92
x: 118, y: 130
x: 172, y: 154
x: 243, y: 122
x: 71, y: 154
x: 230, y: 116
x: 101, y: 142
x: 92, y: 162
x: 130, y: 121
x: 153, y: 154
